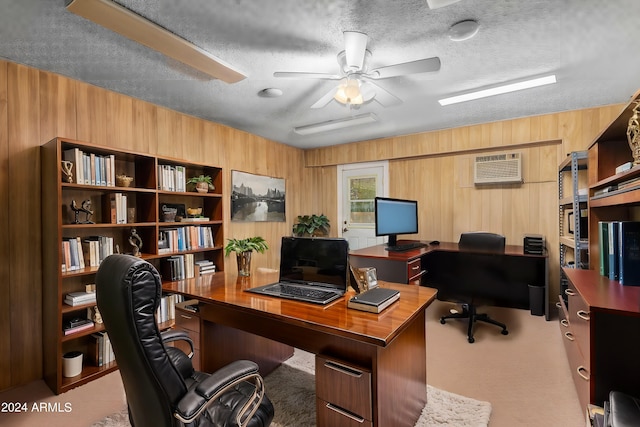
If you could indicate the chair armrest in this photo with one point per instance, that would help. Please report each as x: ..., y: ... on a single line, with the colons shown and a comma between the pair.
x: 202, y: 395
x: 172, y: 335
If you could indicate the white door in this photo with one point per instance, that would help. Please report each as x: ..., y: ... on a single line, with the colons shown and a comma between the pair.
x: 358, y: 185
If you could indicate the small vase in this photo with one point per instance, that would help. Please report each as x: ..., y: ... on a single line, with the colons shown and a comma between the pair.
x: 202, y: 187
x: 244, y: 263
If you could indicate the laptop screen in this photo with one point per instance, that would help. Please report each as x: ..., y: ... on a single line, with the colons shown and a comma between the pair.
x: 323, y: 260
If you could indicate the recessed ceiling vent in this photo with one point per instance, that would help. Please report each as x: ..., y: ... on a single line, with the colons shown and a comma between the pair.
x: 503, y: 168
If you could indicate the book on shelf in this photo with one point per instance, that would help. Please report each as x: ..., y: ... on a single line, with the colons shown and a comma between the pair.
x: 374, y: 300
x: 115, y: 208
x: 196, y: 219
x: 96, y: 350
x: 79, y: 326
x: 629, y: 253
x: 172, y: 178
x: 72, y: 254
x: 80, y: 298
x: 603, y: 241
x: 613, y: 250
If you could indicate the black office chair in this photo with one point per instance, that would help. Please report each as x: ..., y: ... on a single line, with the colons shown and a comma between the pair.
x: 484, y: 243
x: 161, y: 386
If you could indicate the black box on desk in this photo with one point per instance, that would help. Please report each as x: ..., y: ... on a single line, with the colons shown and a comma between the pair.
x: 534, y: 244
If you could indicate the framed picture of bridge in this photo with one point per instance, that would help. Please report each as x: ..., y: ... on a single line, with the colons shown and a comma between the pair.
x: 257, y: 197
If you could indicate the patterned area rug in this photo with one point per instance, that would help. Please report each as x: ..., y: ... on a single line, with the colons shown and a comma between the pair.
x: 291, y: 388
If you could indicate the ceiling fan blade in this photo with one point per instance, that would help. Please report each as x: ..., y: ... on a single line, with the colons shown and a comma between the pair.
x: 305, y: 75
x: 325, y: 99
x: 355, y: 45
x: 427, y: 65
x: 385, y: 98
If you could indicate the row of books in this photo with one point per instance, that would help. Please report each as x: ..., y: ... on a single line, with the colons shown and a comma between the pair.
x: 630, y: 184
x: 100, y: 350
x: 80, y: 298
x: 115, y: 208
x: 172, y: 178
x: 619, y: 244
x: 167, y: 308
x: 78, y: 252
x: 190, y: 237
x: 90, y: 168
x: 180, y: 267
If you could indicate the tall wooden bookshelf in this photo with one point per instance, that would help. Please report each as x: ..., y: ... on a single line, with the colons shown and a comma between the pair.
x: 147, y: 200
x: 599, y: 317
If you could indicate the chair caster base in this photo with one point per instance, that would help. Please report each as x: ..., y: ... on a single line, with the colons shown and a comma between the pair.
x: 471, y: 340
x: 504, y: 332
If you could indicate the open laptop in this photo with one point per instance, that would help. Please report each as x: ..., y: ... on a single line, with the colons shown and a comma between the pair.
x: 311, y: 270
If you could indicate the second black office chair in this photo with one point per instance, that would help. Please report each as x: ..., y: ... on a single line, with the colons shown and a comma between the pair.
x: 484, y: 243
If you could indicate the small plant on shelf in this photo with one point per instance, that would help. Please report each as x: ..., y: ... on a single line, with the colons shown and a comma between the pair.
x: 311, y: 225
x: 203, y: 183
x: 243, y: 249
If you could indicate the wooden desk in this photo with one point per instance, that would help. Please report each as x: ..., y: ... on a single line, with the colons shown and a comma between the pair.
x: 440, y: 265
x: 387, y: 348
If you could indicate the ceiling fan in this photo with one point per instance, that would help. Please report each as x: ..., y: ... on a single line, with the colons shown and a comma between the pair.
x: 356, y: 86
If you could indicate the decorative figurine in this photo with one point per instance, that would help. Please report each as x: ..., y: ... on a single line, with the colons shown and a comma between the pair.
x: 633, y: 135
x: 136, y: 242
x: 67, y: 167
x: 86, y: 208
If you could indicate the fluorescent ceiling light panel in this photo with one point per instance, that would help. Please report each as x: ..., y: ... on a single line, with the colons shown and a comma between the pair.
x: 133, y: 26
x: 435, y: 4
x: 336, y: 124
x: 527, y: 84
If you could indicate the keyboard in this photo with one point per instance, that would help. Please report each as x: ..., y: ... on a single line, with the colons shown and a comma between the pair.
x: 405, y: 247
x: 296, y: 291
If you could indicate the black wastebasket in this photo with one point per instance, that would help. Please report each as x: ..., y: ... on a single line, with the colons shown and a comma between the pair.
x: 536, y: 300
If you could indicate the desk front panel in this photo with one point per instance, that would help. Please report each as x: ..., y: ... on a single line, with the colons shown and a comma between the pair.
x: 499, y: 279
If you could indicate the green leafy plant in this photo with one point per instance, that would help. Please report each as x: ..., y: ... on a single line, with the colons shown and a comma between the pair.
x: 201, y: 179
x: 249, y: 244
x: 311, y: 225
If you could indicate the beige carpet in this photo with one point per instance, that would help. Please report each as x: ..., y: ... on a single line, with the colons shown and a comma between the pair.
x: 291, y: 388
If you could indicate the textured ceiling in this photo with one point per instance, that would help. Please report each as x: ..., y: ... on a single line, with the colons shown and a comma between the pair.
x: 592, y: 47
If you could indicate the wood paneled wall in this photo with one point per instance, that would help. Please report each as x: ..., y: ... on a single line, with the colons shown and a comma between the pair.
x: 433, y: 167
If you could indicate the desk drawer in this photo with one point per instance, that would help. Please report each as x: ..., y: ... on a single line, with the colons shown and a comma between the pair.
x: 579, y: 319
x: 579, y: 370
x: 333, y: 416
x: 344, y: 386
x: 414, y: 268
x: 187, y: 320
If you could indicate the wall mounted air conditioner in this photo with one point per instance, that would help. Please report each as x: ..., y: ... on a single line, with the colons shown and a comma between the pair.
x: 503, y: 168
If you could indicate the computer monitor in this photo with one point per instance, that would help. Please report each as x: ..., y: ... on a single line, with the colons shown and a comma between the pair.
x: 395, y: 216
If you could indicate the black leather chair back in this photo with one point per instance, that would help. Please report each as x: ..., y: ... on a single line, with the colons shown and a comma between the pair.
x: 128, y: 294
x: 482, y: 241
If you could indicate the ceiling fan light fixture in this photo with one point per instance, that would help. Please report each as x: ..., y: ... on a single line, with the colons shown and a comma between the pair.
x: 348, y: 92
x: 435, y: 4
x: 499, y: 90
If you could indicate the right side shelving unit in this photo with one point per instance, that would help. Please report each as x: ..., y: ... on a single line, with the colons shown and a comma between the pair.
x: 599, y: 317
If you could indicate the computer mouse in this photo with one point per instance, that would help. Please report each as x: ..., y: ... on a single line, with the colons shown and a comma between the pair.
x: 434, y: 242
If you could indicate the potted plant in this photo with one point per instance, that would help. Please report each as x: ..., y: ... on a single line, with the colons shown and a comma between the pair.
x: 243, y: 249
x: 311, y: 225
x: 203, y: 183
